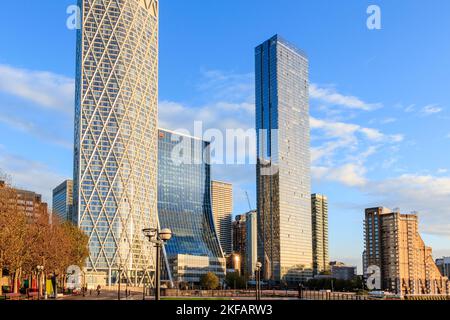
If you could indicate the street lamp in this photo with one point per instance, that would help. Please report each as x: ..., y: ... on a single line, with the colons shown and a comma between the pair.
x: 258, y: 280
x: 158, y: 238
x: 119, y: 281
x: 39, y: 269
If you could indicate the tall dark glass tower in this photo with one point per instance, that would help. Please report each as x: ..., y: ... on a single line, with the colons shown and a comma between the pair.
x: 283, y: 168
x: 184, y: 206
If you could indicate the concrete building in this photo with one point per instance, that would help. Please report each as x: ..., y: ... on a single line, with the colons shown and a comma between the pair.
x: 26, y: 202
x: 444, y: 266
x: 240, y: 240
x: 251, y: 250
x: 116, y: 137
x: 283, y: 161
x: 319, y: 208
x: 63, y: 201
x: 222, y: 202
x: 184, y: 206
x: 393, y: 243
x: 341, y: 271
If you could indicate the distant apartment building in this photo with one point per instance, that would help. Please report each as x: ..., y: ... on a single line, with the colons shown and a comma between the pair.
x: 444, y: 266
x: 393, y: 243
x: 251, y: 250
x: 341, y: 271
x: 63, y: 201
x: 27, y: 202
x: 319, y: 208
x: 222, y: 206
x: 239, y: 227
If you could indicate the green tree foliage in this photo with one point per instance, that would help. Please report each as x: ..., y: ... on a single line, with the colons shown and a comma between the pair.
x: 235, y: 281
x: 209, y: 281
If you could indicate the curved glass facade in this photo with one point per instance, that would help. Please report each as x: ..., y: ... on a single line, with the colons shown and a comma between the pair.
x: 184, y: 206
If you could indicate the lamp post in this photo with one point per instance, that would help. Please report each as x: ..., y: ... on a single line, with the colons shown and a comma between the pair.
x: 39, y: 269
x: 258, y: 280
x: 143, y: 284
x: 119, y: 281
x: 158, y: 238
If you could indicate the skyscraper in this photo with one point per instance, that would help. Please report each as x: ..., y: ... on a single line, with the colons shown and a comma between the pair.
x: 393, y: 243
x: 239, y: 227
x: 319, y: 208
x: 63, y: 200
x: 222, y: 201
x: 184, y: 206
x: 115, y: 187
x: 283, y: 161
x: 251, y: 252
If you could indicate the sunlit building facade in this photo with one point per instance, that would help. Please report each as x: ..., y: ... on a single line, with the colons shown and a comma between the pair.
x: 184, y: 206
x: 393, y: 243
x: 283, y: 164
x: 319, y: 208
x: 116, y: 128
x: 222, y: 206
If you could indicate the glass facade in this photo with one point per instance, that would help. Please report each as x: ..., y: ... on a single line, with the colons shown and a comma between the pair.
x: 63, y: 200
x: 283, y: 168
x: 116, y: 116
x: 184, y: 206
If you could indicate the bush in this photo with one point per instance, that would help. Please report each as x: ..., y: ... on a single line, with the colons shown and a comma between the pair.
x: 234, y: 280
x: 209, y: 281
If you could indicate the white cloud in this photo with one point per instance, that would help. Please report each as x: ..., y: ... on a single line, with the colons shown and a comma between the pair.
x: 30, y: 175
x: 350, y: 174
x: 343, y: 135
x: 45, y: 89
x: 34, y: 130
x: 431, y: 109
x: 427, y: 194
x: 331, y: 96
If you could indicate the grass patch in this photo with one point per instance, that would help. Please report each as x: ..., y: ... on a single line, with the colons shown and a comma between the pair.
x: 195, y: 299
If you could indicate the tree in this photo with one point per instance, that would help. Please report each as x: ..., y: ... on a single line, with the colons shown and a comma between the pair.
x: 41, y: 240
x: 209, y: 281
x: 79, y: 244
x: 13, y: 234
x: 235, y: 280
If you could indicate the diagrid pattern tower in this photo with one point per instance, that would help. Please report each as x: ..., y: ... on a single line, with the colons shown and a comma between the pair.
x: 116, y: 136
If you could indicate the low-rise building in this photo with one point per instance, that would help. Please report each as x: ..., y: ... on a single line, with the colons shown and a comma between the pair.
x: 444, y: 266
x: 342, y: 271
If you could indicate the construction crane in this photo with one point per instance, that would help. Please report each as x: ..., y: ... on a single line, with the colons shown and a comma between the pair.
x: 248, y: 200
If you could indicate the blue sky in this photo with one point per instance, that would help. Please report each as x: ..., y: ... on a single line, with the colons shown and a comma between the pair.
x: 380, y: 99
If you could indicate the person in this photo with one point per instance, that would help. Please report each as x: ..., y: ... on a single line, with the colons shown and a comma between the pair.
x: 98, y: 290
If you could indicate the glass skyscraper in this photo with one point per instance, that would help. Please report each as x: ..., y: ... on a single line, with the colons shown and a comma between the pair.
x: 283, y: 167
x: 116, y: 135
x: 63, y: 201
x: 184, y: 206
